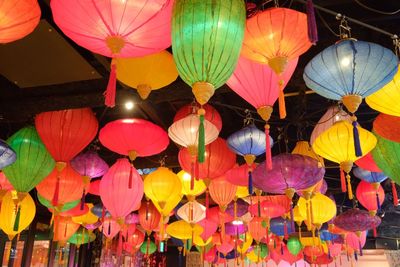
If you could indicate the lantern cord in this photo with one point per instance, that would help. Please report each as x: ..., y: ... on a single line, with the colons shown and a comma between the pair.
x: 268, y: 154
x: 394, y: 192
x: 235, y: 210
x: 56, y: 192
x: 109, y: 227
x: 378, y: 203
x: 349, y: 188
x: 147, y: 209
x: 65, y: 229
x: 312, y: 24
x: 119, y: 248
x: 258, y: 207
x: 360, y: 247
x: 110, y: 92
x: 356, y: 136
x: 282, y: 104
x: 83, y: 199
x: 201, y: 146
x: 292, y: 216
x: 103, y: 214
x: 250, y: 183
x: 376, y: 10
x: 17, y: 218
x: 342, y: 180
x: 130, y: 177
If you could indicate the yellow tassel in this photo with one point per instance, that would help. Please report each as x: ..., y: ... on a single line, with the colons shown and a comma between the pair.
x: 349, y: 189
x: 282, y: 104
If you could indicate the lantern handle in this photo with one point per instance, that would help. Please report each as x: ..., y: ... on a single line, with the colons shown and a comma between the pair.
x: 396, y: 44
x: 344, y: 28
x: 248, y: 120
x: 162, y: 160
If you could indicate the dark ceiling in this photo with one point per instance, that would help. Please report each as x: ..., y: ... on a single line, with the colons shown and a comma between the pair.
x: 47, y: 71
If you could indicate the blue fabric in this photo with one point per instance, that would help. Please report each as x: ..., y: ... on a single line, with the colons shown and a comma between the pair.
x: 7, y: 155
x: 248, y: 141
x: 98, y: 211
x: 277, y: 226
x: 370, y: 177
x: 350, y: 67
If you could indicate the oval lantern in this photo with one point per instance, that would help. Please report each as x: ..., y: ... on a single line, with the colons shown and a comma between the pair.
x: 17, y: 212
x: 135, y: 240
x: 317, y: 210
x: 192, y: 212
x: 149, y: 217
x: 104, y: 28
x: 256, y: 229
x: 147, y: 73
x: 89, y: 164
x: 338, y: 144
x: 110, y: 228
x: 211, y: 115
x: 33, y: 162
x: 387, y: 126
x: 64, y: 228
x: 355, y: 220
x: 183, y: 230
x: 369, y: 176
x: 198, y: 187
x: 371, y: 196
x: 117, y: 197
x: 239, y: 175
x: 18, y: 19
x: 222, y: 192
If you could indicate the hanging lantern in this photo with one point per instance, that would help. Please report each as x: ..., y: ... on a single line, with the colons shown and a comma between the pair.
x: 192, y: 212
x: 89, y: 164
x: 147, y: 73
x: 267, y: 210
x: 17, y: 212
x: 52, y: 209
x: 356, y: 242
x: 198, y: 187
x: 239, y: 175
x: 148, y: 248
x: 317, y: 210
x: 282, y: 254
x: 337, y: 144
x: 75, y: 211
x: 149, y: 217
x: 33, y: 162
x: 371, y: 196
x: 18, y: 19
x: 237, y: 208
x: 355, y: 220
x: 304, y: 148
x: 294, y: 246
x: 367, y: 162
x: 94, y: 187
x: 5, y: 185
x: 134, y: 241
x: 281, y: 227
x: 222, y: 192
x: 64, y: 228
x: 82, y: 237
x: 387, y: 126
x: 209, y: 228
x: 207, y: 53
x: 256, y: 229
x: 183, y: 230
x: 211, y: 115
x: 87, y: 218
x: 117, y: 197
x: 386, y: 99
x: 368, y: 176
x: 7, y: 155
x: 110, y: 228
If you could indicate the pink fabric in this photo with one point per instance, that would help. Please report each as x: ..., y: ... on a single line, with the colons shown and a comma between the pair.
x: 335, y: 249
x: 215, y: 215
x: 353, y: 240
x: 115, y: 194
x: 94, y: 188
x: 143, y: 25
x: 4, y: 183
x: 239, y: 175
x: 257, y: 83
x: 226, y: 246
x: 110, y: 228
x: 209, y: 228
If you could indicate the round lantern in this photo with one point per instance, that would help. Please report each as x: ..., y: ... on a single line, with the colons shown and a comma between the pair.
x: 52, y: 209
x: 198, y: 187
x: 82, y: 236
x: 87, y: 218
x: 17, y: 212
x: 64, y: 228
x: 304, y: 148
x: 367, y: 162
x: 371, y: 196
x: 369, y: 176
x: 7, y: 155
x: 355, y: 220
x: 110, y: 228
x: 222, y: 192
x: 89, y: 164
x: 317, y: 210
x: 338, y: 144
x: 183, y: 230
x: 33, y: 162
x: 294, y: 245
x: 267, y: 209
x: 192, y: 212
x: 147, y: 73
x: 211, y: 115
x: 256, y: 229
x: 133, y: 138
x: 239, y: 175
x: 18, y: 19
x: 388, y: 127
x: 135, y: 240
x: 116, y: 195
x: 149, y: 217
x: 386, y: 99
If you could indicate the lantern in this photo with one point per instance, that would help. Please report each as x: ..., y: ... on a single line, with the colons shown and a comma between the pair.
x: 148, y: 248
x: 207, y: 53
x: 134, y: 138
x: 385, y: 100
x: 304, y: 148
x: 117, y: 197
x: 317, y: 210
x: 18, y: 19
x: 94, y: 187
x: 369, y: 176
x: 267, y: 209
x: 238, y: 208
x: 135, y: 240
x: 294, y: 245
x: 371, y: 196
x: 209, y: 228
x: 52, y: 209
x: 64, y: 228
x: 198, y: 187
x: 355, y: 220
x: 183, y: 230
x: 81, y: 237
x: 33, y: 162
x: 162, y: 186
x: 239, y: 175
x: 147, y: 73
x: 87, y: 218
x: 75, y: 211
x: 387, y: 126
x: 106, y: 29
x: 7, y: 155
x: 281, y: 227
x: 149, y: 217
x: 367, y: 162
x: 222, y: 192
x: 256, y: 229
x: 89, y: 164
x: 192, y: 212
x: 355, y: 241
x: 17, y: 212
x: 211, y: 115
x: 110, y: 228
x: 282, y: 254
x: 337, y: 144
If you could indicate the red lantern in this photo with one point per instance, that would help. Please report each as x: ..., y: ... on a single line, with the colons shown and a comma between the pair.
x: 239, y: 175
x: 94, y: 188
x: 256, y: 229
x: 367, y: 163
x: 211, y: 115
x: 134, y: 241
x: 388, y: 127
x: 76, y: 211
x: 215, y: 215
x: 18, y: 19
x: 115, y: 193
x: 371, y: 196
x: 64, y: 228
x: 149, y: 217
x: 267, y: 210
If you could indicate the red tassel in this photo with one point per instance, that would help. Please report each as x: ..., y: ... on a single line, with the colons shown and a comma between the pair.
x: 119, y: 249
x: 103, y: 214
x: 207, y: 203
x: 110, y: 92
x: 343, y: 181
x: 268, y: 148
x: 196, y: 170
x: 394, y: 192
x: 285, y: 230
x: 282, y: 104
x: 130, y: 177
x: 83, y: 199
x: 56, y: 192
x: 374, y: 231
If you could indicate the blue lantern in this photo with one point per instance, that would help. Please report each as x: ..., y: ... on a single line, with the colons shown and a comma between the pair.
x: 281, y: 227
x: 98, y: 211
x: 368, y: 176
x: 7, y: 155
x: 249, y: 143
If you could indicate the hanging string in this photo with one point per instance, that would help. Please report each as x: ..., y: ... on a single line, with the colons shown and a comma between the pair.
x: 378, y: 203
x: 349, y: 188
x: 207, y: 203
x: 17, y: 217
x: 281, y: 100
x: 356, y: 136
x: 285, y: 230
x: 360, y: 247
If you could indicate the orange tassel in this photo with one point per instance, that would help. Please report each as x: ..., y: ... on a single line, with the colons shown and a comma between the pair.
x: 394, y: 192
x: 268, y: 154
x: 110, y: 92
x: 282, y: 104
x: 343, y: 181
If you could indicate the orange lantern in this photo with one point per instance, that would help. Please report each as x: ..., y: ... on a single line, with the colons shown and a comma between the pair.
x: 64, y: 228
x: 256, y: 229
x: 222, y: 192
x: 371, y: 196
x: 149, y: 217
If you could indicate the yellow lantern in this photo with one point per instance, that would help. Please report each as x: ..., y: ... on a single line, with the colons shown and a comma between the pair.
x: 198, y: 188
x: 304, y: 148
x: 17, y: 212
x: 314, y: 242
x: 198, y: 241
x: 242, y: 192
x: 183, y: 230
x: 386, y: 99
x: 169, y: 206
x: 337, y: 144
x: 317, y: 210
x: 87, y: 218
x: 246, y: 244
x: 147, y: 73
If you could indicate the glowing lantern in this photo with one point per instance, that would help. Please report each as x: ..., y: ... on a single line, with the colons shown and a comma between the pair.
x: 64, y: 228
x: 281, y: 227
x: 149, y: 217
x: 148, y: 248
x: 267, y: 209
x: 367, y: 162
x: 17, y: 213
x: 369, y: 176
x: 356, y: 241
x: 209, y: 227
x: 211, y: 115
x: 355, y: 220
x: 52, y: 209
x: 337, y: 144
x: 110, y: 228
x: 94, y: 187
x: 89, y: 164
x: 386, y: 99
x: 87, y: 218
x: 183, y: 230
x: 33, y: 162
x: 147, y: 73
x: 82, y: 236
x: 198, y: 188
x: 222, y: 192
x: 239, y: 175
x: 108, y: 31
x: 294, y: 245
x: 256, y: 229
x: 117, y: 197
x: 192, y: 212
x: 162, y: 186
x: 304, y: 148
x: 371, y: 196
x: 317, y: 210
x: 387, y: 126
x: 135, y: 240
x: 18, y: 19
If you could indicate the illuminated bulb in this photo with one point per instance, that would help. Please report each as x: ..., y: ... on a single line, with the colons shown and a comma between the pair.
x: 129, y: 105
x: 186, y: 177
x: 345, y: 62
x: 236, y: 222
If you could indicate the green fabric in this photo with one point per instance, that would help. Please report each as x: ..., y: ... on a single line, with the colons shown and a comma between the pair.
x: 65, y: 207
x: 202, y: 145
x: 207, y: 37
x: 263, y: 250
x: 82, y: 237
x: 386, y: 155
x: 33, y: 162
x: 294, y: 245
x: 152, y: 247
x: 17, y: 218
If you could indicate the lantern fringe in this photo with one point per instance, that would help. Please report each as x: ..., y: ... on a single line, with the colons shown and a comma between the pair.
x: 349, y: 188
x: 109, y: 228
x: 356, y: 136
x: 119, y: 248
x: 201, y: 147
x: 378, y: 203
x: 83, y: 199
x: 355, y: 255
x: 65, y: 229
x: 17, y: 218
x: 103, y: 214
x: 56, y: 192
x: 292, y: 216
x: 250, y: 183
x: 342, y: 180
x: 394, y: 192
x: 282, y: 104
x: 130, y: 177
x: 311, y: 22
x: 110, y: 92
x: 268, y: 154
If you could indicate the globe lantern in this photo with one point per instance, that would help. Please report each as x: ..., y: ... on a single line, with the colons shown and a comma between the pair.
x: 371, y: 196
x: 239, y: 175
x: 355, y: 220
x: 64, y: 228
x: 211, y: 115
x: 89, y: 164
x: 149, y: 217
x: 198, y: 187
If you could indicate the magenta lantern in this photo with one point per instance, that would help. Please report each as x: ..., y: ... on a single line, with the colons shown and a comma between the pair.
x: 355, y: 220
x: 110, y: 228
x: 89, y: 164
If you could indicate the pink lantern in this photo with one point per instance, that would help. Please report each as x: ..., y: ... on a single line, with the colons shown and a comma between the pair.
x: 215, y: 215
x: 226, y: 246
x: 94, y: 188
x: 239, y: 175
x: 256, y: 229
x: 335, y: 249
x: 371, y: 196
x: 211, y: 115
x: 277, y: 255
x: 117, y: 197
x: 299, y: 263
x: 192, y: 212
x: 116, y: 28
x: 209, y: 256
x: 209, y: 228
x: 4, y: 183
x: 110, y: 228
x: 355, y: 241
x: 267, y: 209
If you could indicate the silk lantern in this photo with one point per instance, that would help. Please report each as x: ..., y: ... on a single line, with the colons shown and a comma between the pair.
x: 355, y: 220
x: 317, y: 210
x: 198, y: 187
x: 356, y: 241
x: 149, y: 217
x: 368, y: 176
x: 17, y: 212
x: 222, y: 192
x: 108, y: 31
x: 89, y: 164
x: 7, y: 155
x: 337, y: 144
x: 256, y: 229
x: 371, y: 196
x: 183, y: 230
x: 304, y: 148
x: 209, y: 228
x: 387, y: 126
x: 117, y: 197
x: 33, y: 162
x: 367, y: 162
x: 294, y: 245
x: 207, y: 53
x: 239, y: 175
x: 385, y: 99
x: 147, y: 73
x: 81, y: 237
x: 211, y: 115
x: 281, y: 227
x: 110, y: 228
x: 18, y: 19
x: 192, y: 212
x: 87, y: 218
x: 135, y: 240
x: 64, y: 228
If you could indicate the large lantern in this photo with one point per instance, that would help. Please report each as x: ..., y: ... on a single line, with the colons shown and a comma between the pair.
x: 183, y: 230
x: 33, y: 162
x: 371, y: 196
x: 239, y: 175
x: 149, y: 217
x: 368, y: 176
x: 222, y: 192
x: 105, y: 28
x: 116, y: 195
x: 317, y: 210
x: 18, y: 19
x: 338, y: 144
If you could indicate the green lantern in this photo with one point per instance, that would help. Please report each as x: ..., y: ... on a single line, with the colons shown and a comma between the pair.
x: 82, y: 236
x: 207, y: 38
x: 294, y: 245
x: 261, y: 250
x: 33, y: 162
x: 65, y: 207
x: 148, y: 248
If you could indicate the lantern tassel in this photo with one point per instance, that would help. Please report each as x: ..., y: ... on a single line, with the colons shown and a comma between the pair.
x: 268, y: 155
x: 250, y: 183
x: 56, y: 192
x: 355, y: 255
x: 285, y: 230
x: 103, y: 214
x: 109, y: 228
x: 394, y: 192
x: 17, y: 218
x: 311, y: 22
x: 119, y: 248
x: 349, y: 189
x: 282, y: 104
x: 130, y: 177
x: 360, y: 247
x: 374, y: 231
x: 292, y: 216
x: 378, y: 203
x: 201, y: 147
x: 110, y: 92
x: 356, y: 136
x: 342, y: 181
x: 207, y: 203
x: 83, y: 199
x: 147, y: 210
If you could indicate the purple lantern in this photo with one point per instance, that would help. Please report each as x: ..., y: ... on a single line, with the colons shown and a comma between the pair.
x: 241, y: 208
x: 132, y: 218
x: 89, y: 164
x: 355, y: 220
x: 235, y: 229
